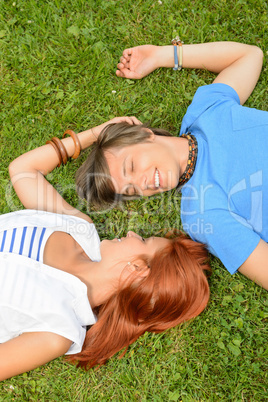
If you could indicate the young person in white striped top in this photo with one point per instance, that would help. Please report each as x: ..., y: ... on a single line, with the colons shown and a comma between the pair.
x: 62, y: 291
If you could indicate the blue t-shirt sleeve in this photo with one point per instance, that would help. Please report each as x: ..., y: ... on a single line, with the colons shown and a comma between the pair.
x: 225, y: 235
x: 205, y: 97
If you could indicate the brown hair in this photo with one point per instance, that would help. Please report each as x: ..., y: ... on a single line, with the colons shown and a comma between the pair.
x: 93, y: 178
x: 175, y: 290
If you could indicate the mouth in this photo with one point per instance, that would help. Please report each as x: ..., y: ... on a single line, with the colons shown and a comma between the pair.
x: 115, y: 240
x: 156, y: 179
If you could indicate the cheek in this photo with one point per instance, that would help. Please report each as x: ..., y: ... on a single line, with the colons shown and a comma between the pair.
x: 130, y: 249
x: 146, y: 160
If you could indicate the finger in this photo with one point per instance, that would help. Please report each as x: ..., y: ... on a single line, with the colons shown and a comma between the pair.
x: 132, y: 75
x: 123, y: 60
x: 120, y: 66
x: 127, y: 52
x: 124, y: 119
x: 126, y: 73
x: 119, y: 73
x: 135, y: 120
x: 129, y: 121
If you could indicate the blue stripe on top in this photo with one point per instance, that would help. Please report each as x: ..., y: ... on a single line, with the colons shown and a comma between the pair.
x: 12, y: 240
x: 27, y: 241
x: 40, y: 243
x: 32, y: 242
x: 3, y: 240
x: 22, y: 240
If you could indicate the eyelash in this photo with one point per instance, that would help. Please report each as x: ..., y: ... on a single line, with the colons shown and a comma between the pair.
x: 132, y: 170
x: 143, y: 239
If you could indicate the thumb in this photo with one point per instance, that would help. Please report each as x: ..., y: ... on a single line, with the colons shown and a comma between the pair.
x: 126, y: 73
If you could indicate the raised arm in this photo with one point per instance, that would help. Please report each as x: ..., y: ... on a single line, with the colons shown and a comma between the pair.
x: 238, y: 65
x: 28, y: 170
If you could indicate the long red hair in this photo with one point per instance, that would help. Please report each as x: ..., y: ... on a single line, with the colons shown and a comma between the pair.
x: 175, y: 290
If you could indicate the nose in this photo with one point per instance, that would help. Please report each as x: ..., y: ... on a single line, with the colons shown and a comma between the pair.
x: 139, y: 181
x: 143, y: 182
x: 133, y: 234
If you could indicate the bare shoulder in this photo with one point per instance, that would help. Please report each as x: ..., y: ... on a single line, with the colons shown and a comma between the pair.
x: 256, y: 265
x: 30, y: 350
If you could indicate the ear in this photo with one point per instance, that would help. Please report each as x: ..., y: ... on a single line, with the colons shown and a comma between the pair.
x: 139, y: 267
x: 152, y: 134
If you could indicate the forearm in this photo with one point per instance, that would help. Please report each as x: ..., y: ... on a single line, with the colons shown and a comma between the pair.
x: 237, y: 65
x: 34, y: 191
x: 28, y: 170
x: 44, y: 159
x: 86, y: 139
x: 30, y: 350
x: 213, y: 56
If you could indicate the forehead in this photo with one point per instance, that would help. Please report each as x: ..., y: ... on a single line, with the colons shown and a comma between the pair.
x: 123, y: 151
x: 115, y: 156
x: 115, y: 159
x: 158, y: 242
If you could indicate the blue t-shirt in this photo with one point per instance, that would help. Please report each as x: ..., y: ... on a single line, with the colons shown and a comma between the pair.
x: 225, y: 203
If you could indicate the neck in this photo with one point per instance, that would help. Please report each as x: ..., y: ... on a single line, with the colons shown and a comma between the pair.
x: 178, y: 147
x: 100, y: 286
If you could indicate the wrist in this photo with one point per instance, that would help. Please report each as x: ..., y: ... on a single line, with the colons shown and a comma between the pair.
x: 165, y: 56
x: 87, y: 137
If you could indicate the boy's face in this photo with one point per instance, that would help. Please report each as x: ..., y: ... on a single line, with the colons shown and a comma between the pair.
x: 143, y: 169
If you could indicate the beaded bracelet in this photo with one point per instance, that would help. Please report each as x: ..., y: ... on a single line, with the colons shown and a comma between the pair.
x: 177, y: 63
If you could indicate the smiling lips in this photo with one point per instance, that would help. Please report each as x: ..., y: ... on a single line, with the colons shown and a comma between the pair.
x: 156, y: 179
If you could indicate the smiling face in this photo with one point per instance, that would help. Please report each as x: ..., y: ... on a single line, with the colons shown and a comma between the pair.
x: 144, y: 169
x: 132, y: 246
x: 121, y: 259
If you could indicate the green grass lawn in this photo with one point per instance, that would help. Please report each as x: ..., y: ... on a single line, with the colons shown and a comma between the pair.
x: 57, y: 71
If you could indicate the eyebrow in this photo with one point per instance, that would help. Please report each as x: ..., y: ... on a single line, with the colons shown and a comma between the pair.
x: 124, y: 173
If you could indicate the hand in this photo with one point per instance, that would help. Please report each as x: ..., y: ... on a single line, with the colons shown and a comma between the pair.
x: 137, y: 62
x: 130, y: 120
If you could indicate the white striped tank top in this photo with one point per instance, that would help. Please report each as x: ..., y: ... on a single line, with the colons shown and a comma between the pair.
x: 28, y: 241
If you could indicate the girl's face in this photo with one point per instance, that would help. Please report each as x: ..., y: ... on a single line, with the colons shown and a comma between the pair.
x: 143, y: 169
x: 128, y: 248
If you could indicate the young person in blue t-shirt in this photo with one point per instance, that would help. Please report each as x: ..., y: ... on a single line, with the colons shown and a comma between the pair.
x: 219, y: 161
